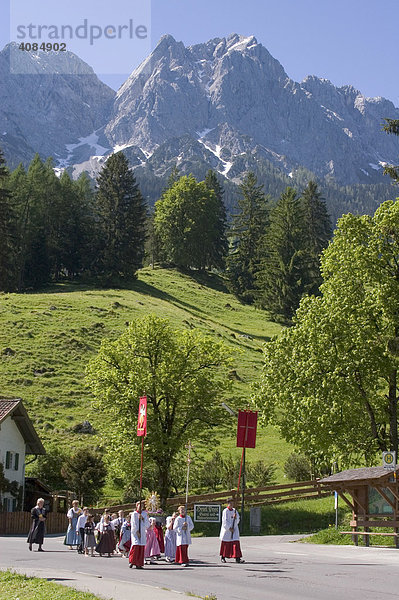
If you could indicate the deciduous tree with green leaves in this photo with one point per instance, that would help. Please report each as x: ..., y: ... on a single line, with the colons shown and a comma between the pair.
x: 331, y: 382
x: 183, y: 373
x: 187, y: 222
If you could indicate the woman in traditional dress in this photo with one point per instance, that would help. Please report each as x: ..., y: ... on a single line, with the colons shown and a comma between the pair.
x: 72, y: 536
x: 36, y: 533
x: 170, y: 539
x: 125, y: 541
x: 106, y: 543
x: 230, y: 535
x: 183, y: 525
x: 151, y: 550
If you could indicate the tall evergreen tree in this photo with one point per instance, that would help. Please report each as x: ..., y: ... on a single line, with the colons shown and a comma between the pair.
x: 122, y: 212
x: 8, y: 232
x: 29, y: 191
x: 392, y: 126
x: 280, y: 279
x: 317, y: 234
x: 173, y: 177
x: 85, y: 209
x: 248, y: 227
x: 217, y: 250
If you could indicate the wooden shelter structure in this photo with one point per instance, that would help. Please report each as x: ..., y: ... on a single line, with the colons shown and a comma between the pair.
x: 374, y: 500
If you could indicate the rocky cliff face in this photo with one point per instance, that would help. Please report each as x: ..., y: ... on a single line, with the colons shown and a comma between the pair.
x: 233, y: 97
x: 57, y: 100
x: 224, y: 103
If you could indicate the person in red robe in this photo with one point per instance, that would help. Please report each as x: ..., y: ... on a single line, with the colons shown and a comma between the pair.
x: 139, y: 525
x: 230, y: 535
x: 159, y: 533
x: 183, y: 525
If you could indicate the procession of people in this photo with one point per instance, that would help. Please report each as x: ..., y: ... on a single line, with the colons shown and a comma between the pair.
x: 138, y: 537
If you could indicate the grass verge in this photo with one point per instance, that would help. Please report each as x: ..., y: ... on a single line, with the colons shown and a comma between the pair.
x: 20, y: 587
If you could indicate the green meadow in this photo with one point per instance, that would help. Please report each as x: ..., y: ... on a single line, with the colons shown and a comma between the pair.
x: 47, y: 338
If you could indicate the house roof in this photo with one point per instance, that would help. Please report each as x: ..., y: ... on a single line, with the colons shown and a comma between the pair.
x: 355, y: 475
x: 33, y: 483
x: 16, y: 410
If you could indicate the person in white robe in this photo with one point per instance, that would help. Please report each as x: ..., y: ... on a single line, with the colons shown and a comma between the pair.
x: 183, y: 525
x: 139, y: 525
x: 230, y: 535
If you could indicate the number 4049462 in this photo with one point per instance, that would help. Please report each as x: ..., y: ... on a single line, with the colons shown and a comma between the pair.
x: 45, y: 46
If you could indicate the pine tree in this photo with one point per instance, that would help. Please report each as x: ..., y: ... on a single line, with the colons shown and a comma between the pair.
x: 217, y: 251
x: 247, y: 229
x: 29, y: 190
x: 85, y: 194
x: 8, y: 232
x: 173, y: 177
x: 317, y: 232
x: 392, y: 126
x: 280, y: 279
x: 122, y: 212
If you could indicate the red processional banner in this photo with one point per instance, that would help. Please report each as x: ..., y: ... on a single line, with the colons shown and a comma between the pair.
x: 142, y: 418
x: 246, y: 429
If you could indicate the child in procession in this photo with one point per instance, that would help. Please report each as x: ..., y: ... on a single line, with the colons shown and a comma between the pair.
x: 151, y: 550
x: 183, y: 525
x: 125, y: 541
x: 80, y: 528
x: 170, y: 539
x: 89, y: 538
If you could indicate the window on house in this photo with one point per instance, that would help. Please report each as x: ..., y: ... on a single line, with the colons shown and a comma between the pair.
x: 14, y: 504
x: 8, y: 459
x: 16, y: 462
x: 5, y: 504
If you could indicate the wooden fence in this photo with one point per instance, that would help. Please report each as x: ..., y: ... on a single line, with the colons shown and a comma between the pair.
x: 271, y: 494
x: 17, y: 523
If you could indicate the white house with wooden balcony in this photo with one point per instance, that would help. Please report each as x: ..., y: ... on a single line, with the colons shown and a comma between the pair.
x: 18, y: 438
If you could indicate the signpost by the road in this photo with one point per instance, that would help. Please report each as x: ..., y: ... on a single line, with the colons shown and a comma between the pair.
x: 207, y: 513
x: 389, y: 460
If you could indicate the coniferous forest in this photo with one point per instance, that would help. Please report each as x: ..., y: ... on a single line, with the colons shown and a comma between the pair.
x: 55, y: 228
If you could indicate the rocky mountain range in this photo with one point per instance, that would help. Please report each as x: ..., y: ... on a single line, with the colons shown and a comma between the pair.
x: 226, y: 104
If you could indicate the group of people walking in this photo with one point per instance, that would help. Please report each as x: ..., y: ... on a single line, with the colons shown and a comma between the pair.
x: 138, y: 537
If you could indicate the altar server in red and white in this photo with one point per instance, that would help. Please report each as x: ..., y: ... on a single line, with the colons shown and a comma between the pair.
x: 139, y: 525
x: 182, y: 525
x: 230, y: 535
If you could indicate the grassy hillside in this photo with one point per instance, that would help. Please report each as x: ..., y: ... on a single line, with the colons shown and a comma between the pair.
x: 47, y: 338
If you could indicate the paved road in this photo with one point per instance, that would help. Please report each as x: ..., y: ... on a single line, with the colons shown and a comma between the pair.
x: 275, y: 569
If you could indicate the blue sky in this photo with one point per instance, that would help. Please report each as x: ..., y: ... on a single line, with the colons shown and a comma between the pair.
x: 347, y: 41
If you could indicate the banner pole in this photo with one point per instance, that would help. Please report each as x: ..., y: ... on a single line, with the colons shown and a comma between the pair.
x: 141, y: 431
x: 189, y: 446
